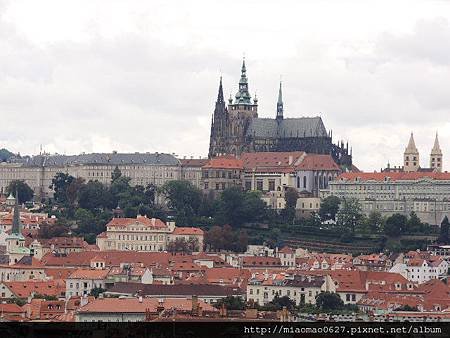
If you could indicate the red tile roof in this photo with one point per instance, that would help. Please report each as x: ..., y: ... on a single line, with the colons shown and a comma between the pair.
x: 258, y: 261
x: 133, y: 305
x: 56, y: 287
x: 224, y: 162
x: 318, y: 162
x: 112, y: 258
x: 58, y: 273
x: 193, y: 162
x: 395, y: 176
x: 272, y: 161
x: 89, y: 274
x: 11, y: 308
x: 187, y: 231
x: 143, y: 220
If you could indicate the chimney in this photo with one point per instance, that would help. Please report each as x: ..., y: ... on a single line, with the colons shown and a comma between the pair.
x: 140, y: 299
x: 291, y: 159
x: 195, y: 305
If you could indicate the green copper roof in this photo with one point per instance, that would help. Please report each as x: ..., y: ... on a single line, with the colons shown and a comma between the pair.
x: 243, y: 95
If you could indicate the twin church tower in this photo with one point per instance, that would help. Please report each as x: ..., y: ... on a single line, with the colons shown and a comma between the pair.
x: 411, y: 157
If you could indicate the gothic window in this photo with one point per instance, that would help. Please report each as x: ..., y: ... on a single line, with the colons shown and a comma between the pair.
x: 304, y: 182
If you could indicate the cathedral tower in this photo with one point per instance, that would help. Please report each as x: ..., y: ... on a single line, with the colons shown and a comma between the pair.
x: 411, y: 156
x: 219, y: 126
x: 436, y: 156
x: 241, y: 111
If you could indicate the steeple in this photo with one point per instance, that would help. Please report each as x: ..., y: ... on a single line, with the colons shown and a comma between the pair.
x: 243, y: 95
x: 436, y: 148
x: 280, y: 104
x: 436, y: 155
x: 411, y: 148
x: 16, y: 216
x: 411, y: 160
x: 220, y: 94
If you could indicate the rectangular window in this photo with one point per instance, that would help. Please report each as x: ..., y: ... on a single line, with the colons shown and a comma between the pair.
x: 259, y: 185
x: 272, y: 185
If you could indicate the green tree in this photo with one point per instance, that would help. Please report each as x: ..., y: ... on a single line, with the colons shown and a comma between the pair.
x: 395, y: 225
x: 329, y: 301
x: 214, y: 239
x: 278, y: 303
x: 178, y: 245
x: 231, y: 303
x: 183, y: 199
x: 350, y: 214
x: 53, y: 230
x: 375, y: 221
x: 94, y: 195
x: 329, y: 207
x: 97, y: 291
x: 73, y: 190
x: 5, y: 155
x: 291, y: 197
x: 236, y: 207
x: 46, y: 297
x: 444, y: 235
x: 60, y: 185
x: 414, y: 224
x: 115, y: 174
x: 25, y: 192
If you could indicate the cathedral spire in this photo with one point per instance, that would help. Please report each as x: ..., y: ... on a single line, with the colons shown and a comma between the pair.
x: 280, y: 104
x: 243, y: 95
x: 16, y: 216
x: 220, y: 94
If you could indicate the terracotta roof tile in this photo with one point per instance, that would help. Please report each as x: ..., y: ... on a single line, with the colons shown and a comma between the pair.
x: 318, y: 162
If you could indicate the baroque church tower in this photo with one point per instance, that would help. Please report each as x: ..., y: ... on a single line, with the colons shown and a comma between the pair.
x: 411, y: 156
x: 436, y: 156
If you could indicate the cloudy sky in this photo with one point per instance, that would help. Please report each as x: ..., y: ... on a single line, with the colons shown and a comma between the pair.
x: 131, y: 76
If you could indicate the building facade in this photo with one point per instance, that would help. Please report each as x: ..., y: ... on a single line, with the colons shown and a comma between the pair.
x: 425, y: 193
x: 144, y: 234
x: 236, y: 128
x: 38, y: 171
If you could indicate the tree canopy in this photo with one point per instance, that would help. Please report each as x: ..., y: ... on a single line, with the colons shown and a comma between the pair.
x: 329, y: 207
x: 350, y: 214
x: 443, y: 234
x: 25, y: 192
x: 395, y: 225
x: 329, y: 301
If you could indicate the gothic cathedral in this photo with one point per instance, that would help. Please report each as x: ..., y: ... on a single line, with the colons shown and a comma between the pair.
x: 236, y: 128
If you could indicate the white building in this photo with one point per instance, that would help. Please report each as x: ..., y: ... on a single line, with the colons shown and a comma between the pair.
x: 262, y: 288
x: 144, y: 234
x: 82, y: 281
x: 425, y: 193
x: 142, y: 168
x: 420, y: 270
